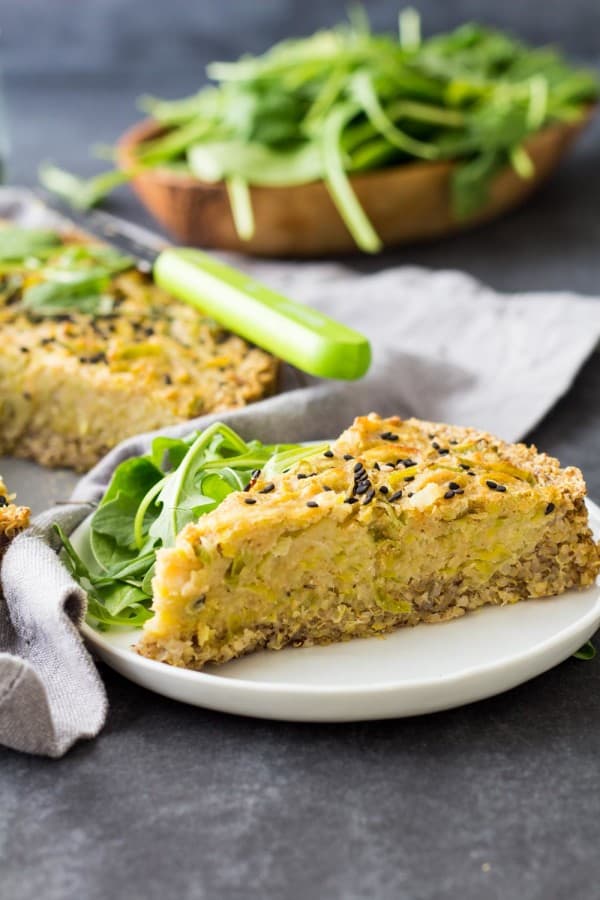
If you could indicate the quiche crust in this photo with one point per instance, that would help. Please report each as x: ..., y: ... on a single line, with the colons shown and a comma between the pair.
x: 400, y: 522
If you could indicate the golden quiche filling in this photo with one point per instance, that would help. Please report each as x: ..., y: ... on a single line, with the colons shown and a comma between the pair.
x: 13, y: 519
x: 399, y: 522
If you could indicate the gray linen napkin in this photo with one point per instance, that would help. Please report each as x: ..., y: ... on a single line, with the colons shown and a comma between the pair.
x: 445, y: 348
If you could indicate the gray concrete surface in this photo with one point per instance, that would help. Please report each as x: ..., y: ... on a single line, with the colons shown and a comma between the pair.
x: 497, y: 800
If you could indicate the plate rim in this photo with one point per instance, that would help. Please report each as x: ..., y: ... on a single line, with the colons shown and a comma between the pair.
x: 250, y: 687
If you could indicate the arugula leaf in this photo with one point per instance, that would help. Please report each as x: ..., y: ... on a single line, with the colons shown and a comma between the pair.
x: 471, y: 181
x: 80, y: 192
x: 170, y: 450
x: 587, y: 652
x: 337, y: 181
x: 112, y: 535
x: 52, y: 298
x: 78, y: 278
x: 241, y: 206
x: 21, y: 243
x: 256, y: 163
x: 108, y: 604
x: 182, y: 497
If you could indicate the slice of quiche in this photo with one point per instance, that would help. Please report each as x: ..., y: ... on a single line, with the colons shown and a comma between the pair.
x: 399, y: 522
x: 93, y: 351
x: 13, y: 519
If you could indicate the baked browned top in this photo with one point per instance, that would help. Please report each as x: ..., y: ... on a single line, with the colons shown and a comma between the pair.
x: 405, y: 466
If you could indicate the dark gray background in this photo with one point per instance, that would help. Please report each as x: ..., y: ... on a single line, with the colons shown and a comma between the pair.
x: 496, y: 800
x: 181, y: 35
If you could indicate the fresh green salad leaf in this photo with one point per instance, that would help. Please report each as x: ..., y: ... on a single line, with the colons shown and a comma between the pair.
x: 256, y: 163
x: 69, y: 278
x: 347, y: 100
x: 51, y: 298
x: 22, y: 243
x: 150, y: 499
x: 587, y: 652
x: 80, y: 192
x: 338, y: 184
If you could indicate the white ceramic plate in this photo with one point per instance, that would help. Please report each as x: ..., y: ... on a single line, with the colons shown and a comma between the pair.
x: 410, y: 672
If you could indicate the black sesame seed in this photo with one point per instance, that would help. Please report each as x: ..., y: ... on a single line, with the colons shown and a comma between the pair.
x: 407, y: 463
x: 410, y: 478
x: 369, y: 496
x: 3, y: 500
x: 267, y: 488
x: 396, y: 496
x: 199, y: 602
x: 301, y: 475
x: 454, y: 443
x: 348, y: 456
x: 550, y: 508
x: 459, y: 491
x: 444, y: 451
x: 384, y: 489
x: 501, y: 488
x: 448, y: 495
x: 435, y: 445
x: 454, y: 486
x: 465, y: 466
x: 410, y: 494
x: 351, y: 500
x: 492, y: 485
x: 328, y: 454
x: 362, y: 488
x: 472, y: 474
x: 327, y: 488
x: 249, y: 500
x: 167, y: 379
x: 388, y: 436
x: 255, y: 473
x: 358, y: 467
x: 376, y: 466
x: 312, y: 503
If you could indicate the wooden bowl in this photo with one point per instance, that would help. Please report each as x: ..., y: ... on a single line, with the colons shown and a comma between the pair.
x: 406, y: 203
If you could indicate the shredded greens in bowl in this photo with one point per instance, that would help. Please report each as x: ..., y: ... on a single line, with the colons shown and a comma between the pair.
x: 149, y: 500
x: 348, y: 100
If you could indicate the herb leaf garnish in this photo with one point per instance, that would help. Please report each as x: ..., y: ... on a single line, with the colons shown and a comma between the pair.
x: 22, y: 243
x: 587, y: 652
x: 56, y: 279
